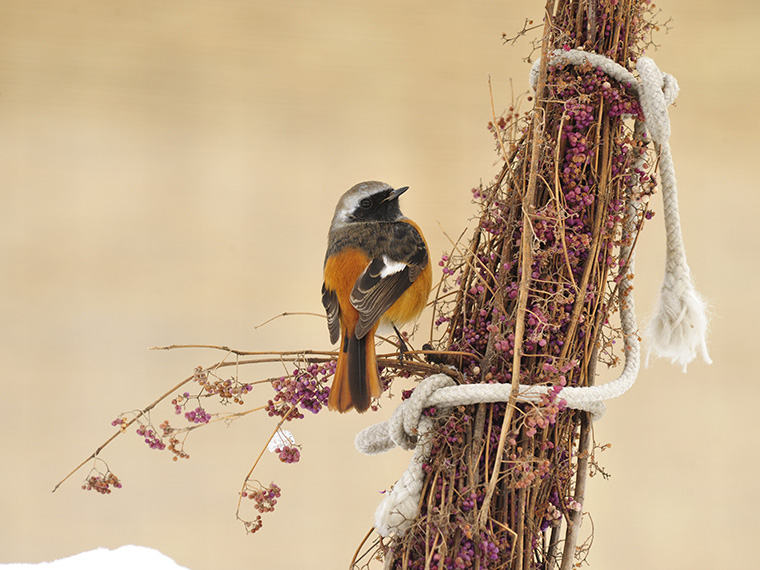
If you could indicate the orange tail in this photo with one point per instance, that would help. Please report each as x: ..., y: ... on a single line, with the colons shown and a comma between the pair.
x: 356, y: 380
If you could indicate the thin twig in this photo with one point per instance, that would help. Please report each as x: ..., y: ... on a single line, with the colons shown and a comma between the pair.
x: 496, y: 130
x: 574, y: 520
x: 355, y: 557
x: 299, y: 314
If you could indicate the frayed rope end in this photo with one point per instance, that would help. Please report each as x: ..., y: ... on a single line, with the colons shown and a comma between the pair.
x: 678, y: 329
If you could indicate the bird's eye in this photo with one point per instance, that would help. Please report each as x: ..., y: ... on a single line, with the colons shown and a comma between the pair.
x: 365, y: 203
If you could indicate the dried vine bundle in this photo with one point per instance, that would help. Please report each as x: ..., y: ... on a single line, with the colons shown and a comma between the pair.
x: 532, y: 300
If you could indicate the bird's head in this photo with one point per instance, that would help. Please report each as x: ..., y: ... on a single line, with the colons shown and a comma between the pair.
x: 368, y: 202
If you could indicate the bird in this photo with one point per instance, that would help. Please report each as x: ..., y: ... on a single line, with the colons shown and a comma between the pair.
x: 376, y: 272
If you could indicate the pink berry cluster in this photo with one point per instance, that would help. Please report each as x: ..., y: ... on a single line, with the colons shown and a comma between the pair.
x: 101, y: 483
x: 504, y: 131
x: 288, y: 453
x: 526, y: 473
x: 305, y: 389
x: 459, y: 551
x: 229, y: 390
x: 444, y: 267
x: 473, y: 551
x: 448, y: 436
x: 254, y: 525
x: 175, y: 446
x: 121, y: 422
x: 198, y: 416
x: 264, y: 501
x: 264, y: 498
x: 544, y: 414
x: 165, y: 437
x: 151, y: 438
x: 180, y: 401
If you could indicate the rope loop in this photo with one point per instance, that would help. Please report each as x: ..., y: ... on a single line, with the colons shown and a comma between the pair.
x: 404, y: 424
x: 657, y: 91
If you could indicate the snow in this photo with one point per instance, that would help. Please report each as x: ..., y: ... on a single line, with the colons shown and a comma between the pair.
x: 123, y: 558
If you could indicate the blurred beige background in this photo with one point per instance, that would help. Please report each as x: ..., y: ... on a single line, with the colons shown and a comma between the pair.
x: 169, y: 170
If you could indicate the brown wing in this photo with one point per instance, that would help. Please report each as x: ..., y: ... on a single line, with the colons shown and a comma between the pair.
x: 330, y: 302
x: 388, y: 276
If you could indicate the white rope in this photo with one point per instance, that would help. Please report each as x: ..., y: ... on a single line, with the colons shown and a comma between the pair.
x: 678, y: 328
x: 408, y: 427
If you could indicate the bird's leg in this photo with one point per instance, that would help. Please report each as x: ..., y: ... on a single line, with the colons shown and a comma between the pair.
x: 402, y: 348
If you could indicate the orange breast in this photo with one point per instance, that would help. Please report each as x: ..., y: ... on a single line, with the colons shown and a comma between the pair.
x: 410, y: 304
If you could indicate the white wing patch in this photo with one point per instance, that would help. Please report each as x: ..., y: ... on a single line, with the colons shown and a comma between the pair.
x: 391, y: 267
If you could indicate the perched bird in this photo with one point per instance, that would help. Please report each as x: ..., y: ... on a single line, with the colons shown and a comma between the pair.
x: 377, y: 272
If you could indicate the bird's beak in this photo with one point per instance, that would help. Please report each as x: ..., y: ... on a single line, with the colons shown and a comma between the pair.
x: 396, y: 193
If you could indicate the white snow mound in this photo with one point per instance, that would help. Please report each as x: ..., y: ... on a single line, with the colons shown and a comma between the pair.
x: 123, y: 558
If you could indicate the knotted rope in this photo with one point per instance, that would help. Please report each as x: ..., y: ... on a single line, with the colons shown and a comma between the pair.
x: 677, y: 329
